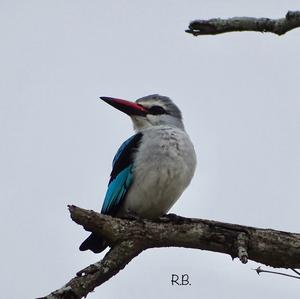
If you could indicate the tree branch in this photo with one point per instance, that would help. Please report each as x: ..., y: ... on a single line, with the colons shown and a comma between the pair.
x: 128, y: 238
x: 96, y: 274
x: 217, y: 26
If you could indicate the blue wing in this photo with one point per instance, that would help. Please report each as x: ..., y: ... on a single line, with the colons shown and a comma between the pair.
x: 121, y: 176
x: 120, y: 181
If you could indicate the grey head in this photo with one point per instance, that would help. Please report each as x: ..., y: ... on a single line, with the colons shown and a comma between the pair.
x: 161, y: 111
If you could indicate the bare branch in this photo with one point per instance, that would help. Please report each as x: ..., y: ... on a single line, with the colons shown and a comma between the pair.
x: 128, y: 238
x: 217, y: 26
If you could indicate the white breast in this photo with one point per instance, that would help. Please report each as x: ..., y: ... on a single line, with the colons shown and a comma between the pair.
x: 164, y: 166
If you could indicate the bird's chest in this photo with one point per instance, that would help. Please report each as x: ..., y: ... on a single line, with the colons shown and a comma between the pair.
x: 162, y: 170
x: 161, y: 152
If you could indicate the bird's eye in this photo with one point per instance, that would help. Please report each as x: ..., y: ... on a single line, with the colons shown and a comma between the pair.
x: 157, y: 110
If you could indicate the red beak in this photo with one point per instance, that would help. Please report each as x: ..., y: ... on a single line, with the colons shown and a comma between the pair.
x: 130, y: 108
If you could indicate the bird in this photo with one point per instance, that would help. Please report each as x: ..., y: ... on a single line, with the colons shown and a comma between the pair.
x: 152, y: 168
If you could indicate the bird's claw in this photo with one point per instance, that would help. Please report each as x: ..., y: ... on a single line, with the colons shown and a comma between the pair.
x: 130, y: 215
x: 172, y: 218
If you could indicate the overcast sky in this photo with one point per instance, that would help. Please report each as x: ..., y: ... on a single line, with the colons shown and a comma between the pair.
x: 239, y: 94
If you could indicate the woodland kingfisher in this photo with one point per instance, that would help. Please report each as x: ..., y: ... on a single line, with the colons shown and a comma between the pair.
x: 152, y: 168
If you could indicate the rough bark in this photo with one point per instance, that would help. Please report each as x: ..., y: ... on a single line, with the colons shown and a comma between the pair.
x: 217, y: 26
x: 128, y: 238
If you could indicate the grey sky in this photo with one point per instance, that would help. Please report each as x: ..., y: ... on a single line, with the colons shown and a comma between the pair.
x: 239, y: 97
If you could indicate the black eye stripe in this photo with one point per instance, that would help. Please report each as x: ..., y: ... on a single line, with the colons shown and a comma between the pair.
x: 156, y: 110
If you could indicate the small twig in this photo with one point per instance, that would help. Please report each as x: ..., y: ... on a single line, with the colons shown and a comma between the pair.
x: 217, y: 26
x: 259, y: 270
x: 242, y: 245
x: 296, y: 271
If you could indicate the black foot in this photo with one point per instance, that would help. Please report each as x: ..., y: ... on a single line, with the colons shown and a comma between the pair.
x: 130, y: 215
x: 172, y: 217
